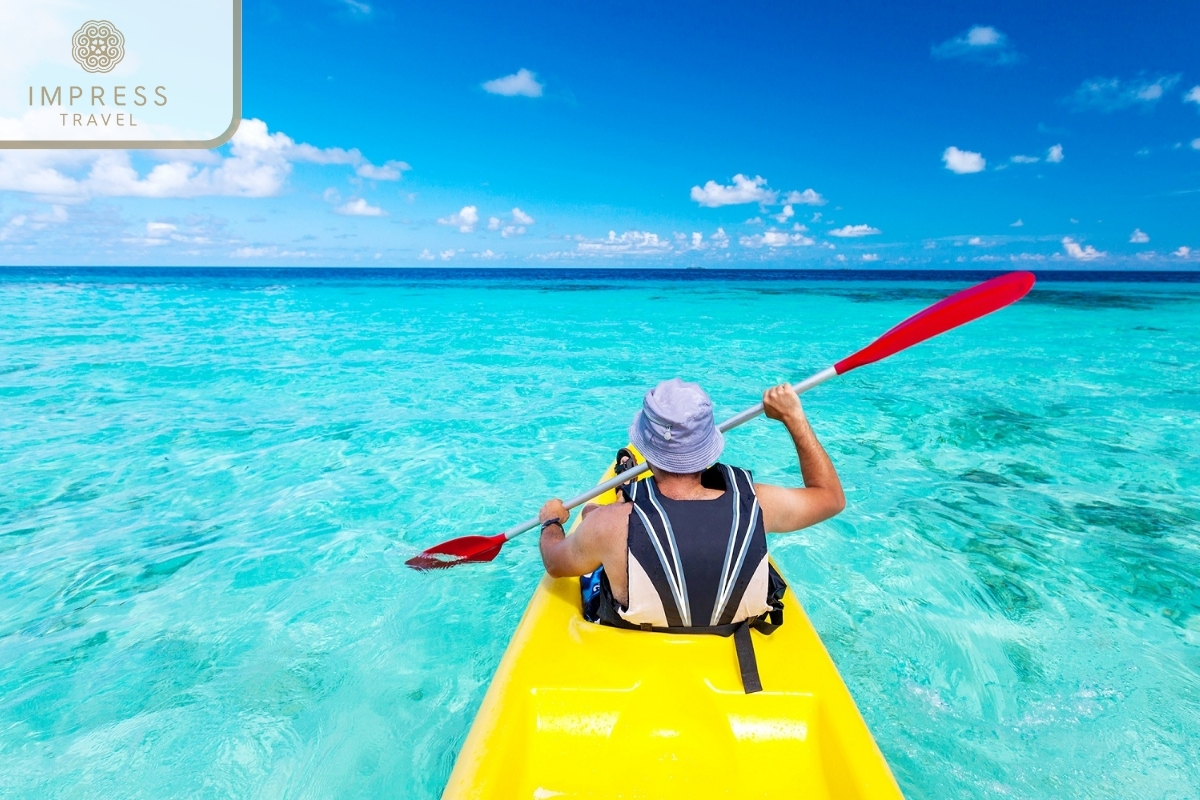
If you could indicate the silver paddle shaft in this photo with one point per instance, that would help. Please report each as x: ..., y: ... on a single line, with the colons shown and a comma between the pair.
x: 737, y: 419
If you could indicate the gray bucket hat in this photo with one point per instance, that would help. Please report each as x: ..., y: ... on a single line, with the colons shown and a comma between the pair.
x: 675, y: 429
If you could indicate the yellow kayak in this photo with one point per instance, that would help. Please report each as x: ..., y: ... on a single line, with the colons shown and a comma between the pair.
x: 580, y: 710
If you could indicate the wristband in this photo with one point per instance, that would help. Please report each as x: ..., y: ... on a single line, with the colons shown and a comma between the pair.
x: 550, y: 522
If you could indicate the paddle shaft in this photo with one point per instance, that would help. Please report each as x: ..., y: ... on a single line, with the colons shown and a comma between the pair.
x: 737, y: 419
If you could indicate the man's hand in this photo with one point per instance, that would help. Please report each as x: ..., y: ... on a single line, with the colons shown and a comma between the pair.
x: 554, y: 510
x: 781, y: 403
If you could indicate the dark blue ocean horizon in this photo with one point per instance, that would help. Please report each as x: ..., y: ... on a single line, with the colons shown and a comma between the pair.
x: 436, y: 274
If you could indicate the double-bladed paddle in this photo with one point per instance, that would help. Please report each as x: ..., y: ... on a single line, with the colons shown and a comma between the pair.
x: 957, y: 309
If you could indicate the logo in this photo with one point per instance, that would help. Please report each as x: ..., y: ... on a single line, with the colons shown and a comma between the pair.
x: 98, y: 46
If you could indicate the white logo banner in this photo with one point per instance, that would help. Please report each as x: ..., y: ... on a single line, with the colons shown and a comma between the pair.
x: 119, y: 73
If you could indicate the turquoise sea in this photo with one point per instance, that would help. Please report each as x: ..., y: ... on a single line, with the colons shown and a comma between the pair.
x: 210, y: 480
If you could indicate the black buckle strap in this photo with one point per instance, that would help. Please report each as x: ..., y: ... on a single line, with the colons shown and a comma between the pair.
x: 605, y: 612
x: 747, y: 663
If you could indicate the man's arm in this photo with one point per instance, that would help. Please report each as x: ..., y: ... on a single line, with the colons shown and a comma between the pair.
x: 577, y: 554
x: 786, y: 510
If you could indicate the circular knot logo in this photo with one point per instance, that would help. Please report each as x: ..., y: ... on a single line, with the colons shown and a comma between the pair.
x: 98, y: 46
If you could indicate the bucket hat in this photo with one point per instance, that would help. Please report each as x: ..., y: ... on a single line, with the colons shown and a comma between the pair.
x: 675, y: 429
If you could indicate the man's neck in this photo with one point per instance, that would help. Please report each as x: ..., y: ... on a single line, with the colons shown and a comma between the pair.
x: 684, y: 487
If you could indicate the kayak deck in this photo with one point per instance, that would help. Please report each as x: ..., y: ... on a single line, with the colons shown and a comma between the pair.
x: 588, y: 711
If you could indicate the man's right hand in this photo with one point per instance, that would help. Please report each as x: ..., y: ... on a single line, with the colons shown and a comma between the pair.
x: 782, y: 403
x: 554, y: 509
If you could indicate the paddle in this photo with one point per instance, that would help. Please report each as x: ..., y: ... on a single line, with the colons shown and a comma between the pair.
x: 957, y: 309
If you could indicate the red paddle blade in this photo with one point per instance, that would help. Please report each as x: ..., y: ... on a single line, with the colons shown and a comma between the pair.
x: 465, y: 549
x: 957, y: 309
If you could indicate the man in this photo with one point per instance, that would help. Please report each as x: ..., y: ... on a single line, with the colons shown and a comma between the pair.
x: 687, y: 548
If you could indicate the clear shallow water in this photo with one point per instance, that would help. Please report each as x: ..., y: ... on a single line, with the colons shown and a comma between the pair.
x: 209, y: 484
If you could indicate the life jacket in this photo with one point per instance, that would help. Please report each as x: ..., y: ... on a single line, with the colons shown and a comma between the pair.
x: 695, y: 566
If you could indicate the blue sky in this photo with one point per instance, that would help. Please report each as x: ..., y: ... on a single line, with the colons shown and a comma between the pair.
x: 749, y: 134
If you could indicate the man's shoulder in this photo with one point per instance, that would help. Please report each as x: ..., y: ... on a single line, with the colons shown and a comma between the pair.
x: 611, y: 512
x: 609, y: 519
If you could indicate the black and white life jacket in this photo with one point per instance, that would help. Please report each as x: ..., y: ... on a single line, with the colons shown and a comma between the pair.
x: 696, y: 566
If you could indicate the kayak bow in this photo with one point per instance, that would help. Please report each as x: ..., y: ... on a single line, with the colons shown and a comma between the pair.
x: 587, y: 711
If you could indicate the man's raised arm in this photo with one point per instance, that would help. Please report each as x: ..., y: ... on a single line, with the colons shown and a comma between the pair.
x: 821, y: 497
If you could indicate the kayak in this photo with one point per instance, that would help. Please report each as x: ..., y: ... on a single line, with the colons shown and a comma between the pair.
x: 580, y: 710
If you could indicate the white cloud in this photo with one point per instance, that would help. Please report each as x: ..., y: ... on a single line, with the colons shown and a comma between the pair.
x: 1193, y: 95
x: 425, y: 255
x: 269, y: 251
x: 786, y: 214
x: 1138, y: 237
x: 975, y: 241
x: 1196, y: 144
x: 853, y: 231
x: 1183, y: 252
x: 963, y: 162
x: 774, y: 238
x: 695, y: 241
x: 522, y: 82
x: 466, y: 219
x: 12, y: 226
x: 162, y: 233
x: 56, y: 215
x: 1112, y: 94
x: 23, y: 223
x: 253, y: 252
x: 980, y: 43
x: 742, y: 190
x: 357, y: 6
x: 390, y: 171
x: 487, y: 255
x: 752, y: 190
x: 1018, y: 224
x: 358, y: 207
x: 258, y: 165
x: 446, y: 255
x: 806, y: 198
x: 984, y: 36
x: 633, y: 242
x: 870, y: 257
x: 1082, y: 253
x: 1053, y: 156
x: 520, y: 220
